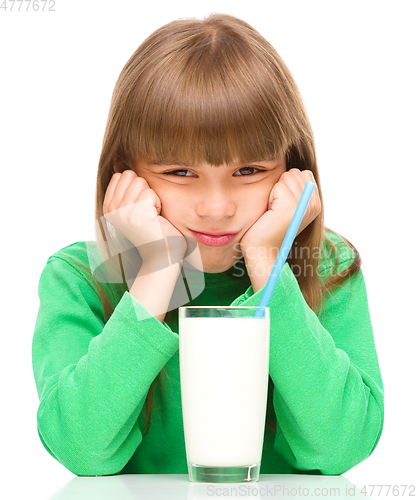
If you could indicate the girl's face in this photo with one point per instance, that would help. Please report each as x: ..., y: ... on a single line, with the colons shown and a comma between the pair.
x: 208, y: 199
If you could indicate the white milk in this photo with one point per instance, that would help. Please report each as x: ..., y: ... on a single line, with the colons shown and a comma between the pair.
x: 224, y: 365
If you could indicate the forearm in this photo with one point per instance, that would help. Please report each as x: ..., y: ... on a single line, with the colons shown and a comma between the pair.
x: 154, y: 288
x: 93, y: 376
x: 259, y: 270
x: 89, y: 408
x: 328, y: 398
x: 336, y: 404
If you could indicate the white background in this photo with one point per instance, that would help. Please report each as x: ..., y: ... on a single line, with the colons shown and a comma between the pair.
x: 355, y: 64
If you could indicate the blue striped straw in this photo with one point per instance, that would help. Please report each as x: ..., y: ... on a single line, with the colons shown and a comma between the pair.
x: 285, y: 247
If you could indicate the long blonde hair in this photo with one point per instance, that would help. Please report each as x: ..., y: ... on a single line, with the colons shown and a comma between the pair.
x: 213, y: 90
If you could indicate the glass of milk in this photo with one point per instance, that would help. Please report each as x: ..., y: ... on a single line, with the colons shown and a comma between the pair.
x: 224, y: 367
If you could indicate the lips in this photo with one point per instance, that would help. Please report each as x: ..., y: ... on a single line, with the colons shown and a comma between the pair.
x: 212, y: 233
x: 213, y: 239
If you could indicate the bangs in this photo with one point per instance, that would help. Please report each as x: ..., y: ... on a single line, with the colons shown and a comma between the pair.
x: 215, y: 99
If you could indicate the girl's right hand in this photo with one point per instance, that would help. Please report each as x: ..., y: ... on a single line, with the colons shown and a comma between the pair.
x: 133, y: 208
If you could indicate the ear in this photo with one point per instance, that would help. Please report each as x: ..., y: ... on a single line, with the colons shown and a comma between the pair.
x: 119, y: 168
x: 120, y: 164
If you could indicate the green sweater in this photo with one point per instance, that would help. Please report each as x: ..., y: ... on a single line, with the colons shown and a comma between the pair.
x: 93, y: 376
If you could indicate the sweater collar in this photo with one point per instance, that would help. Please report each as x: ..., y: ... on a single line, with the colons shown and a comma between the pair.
x: 237, y: 272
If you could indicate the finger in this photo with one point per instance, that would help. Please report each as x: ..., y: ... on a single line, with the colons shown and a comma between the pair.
x: 309, y: 177
x: 126, y: 178
x: 314, y: 206
x: 110, y: 191
x: 308, y: 174
x: 150, y: 194
x: 280, y: 191
x: 295, y: 181
x: 133, y: 190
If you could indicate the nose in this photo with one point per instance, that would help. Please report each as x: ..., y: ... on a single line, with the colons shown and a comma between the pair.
x: 215, y: 204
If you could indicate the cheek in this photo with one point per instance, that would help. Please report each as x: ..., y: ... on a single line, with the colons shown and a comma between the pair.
x: 172, y: 206
x: 259, y: 200
x: 252, y: 211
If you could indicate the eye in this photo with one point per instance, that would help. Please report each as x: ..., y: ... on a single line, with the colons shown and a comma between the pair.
x: 250, y: 168
x: 174, y: 171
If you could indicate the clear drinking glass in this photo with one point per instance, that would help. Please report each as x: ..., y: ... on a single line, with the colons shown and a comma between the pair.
x: 224, y: 366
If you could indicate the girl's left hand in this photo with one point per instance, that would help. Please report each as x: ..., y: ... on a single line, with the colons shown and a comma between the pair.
x: 270, y: 229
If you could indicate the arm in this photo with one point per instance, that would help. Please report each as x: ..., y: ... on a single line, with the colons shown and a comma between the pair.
x: 92, y: 377
x: 153, y: 288
x: 328, y: 392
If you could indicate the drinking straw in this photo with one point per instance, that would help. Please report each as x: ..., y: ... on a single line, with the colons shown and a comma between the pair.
x: 285, y: 247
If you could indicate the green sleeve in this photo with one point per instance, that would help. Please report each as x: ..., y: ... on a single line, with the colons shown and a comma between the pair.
x: 92, y: 377
x: 328, y: 393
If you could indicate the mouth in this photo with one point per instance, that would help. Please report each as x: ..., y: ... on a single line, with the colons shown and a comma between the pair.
x: 212, y: 239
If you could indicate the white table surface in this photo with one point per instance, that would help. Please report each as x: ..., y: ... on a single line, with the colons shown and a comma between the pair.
x: 178, y: 487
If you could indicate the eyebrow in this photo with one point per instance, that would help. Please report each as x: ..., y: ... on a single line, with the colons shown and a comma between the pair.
x: 176, y: 164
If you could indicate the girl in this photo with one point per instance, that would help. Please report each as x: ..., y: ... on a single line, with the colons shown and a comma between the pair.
x: 207, y: 135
